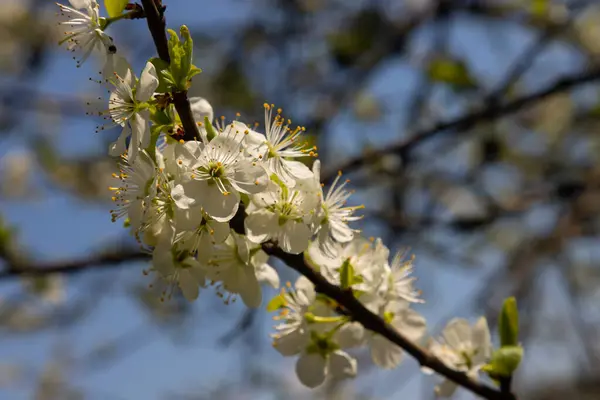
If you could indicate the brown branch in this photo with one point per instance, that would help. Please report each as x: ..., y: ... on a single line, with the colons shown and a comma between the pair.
x: 461, y: 124
x: 73, y: 266
x: 346, y: 299
x: 157, y: 27
x: 374, y: 323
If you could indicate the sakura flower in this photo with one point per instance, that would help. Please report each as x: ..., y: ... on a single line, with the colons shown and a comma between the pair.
x: 219, y: 172
x: 409, y: 323
x: 128, y: 103
x: 179, y: 267
x: 240, y: 267
x: 86, y: 30
x: 278, y: 145
x: 284, y: 215
x: 334, y: 214
x: 464, y: 348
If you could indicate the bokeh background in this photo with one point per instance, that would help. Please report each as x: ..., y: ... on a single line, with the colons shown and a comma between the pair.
x: 470, y: 130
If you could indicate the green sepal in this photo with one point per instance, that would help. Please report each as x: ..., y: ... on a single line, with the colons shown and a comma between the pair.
x: 504, y: 363
x: 346, y: 275
x: 114, y: 8
x: 508, y: 324
x: 210, y: 130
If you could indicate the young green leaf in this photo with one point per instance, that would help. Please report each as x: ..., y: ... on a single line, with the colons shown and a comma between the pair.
x: 504, y: 363
x: 163, y: 74
x: 114, y: 8
x: 508, y: 325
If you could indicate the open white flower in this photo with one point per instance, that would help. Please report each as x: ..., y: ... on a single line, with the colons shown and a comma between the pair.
x: 278, y: 145
x: 367, y: 260
x: 409, y: 323
x: 219, y: 172
x: 293, y: 333
x: 399, y: 285
x: 284, y: 215
x: 464, y: 348
x: 137, y: 187
x: 179, y: 267
x: 86, y: 32
x: 334, y: 215
x: 240, y: 267
x: 128, y: 104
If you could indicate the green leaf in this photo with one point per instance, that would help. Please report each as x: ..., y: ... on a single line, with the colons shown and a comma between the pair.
x: 188, y: 52
x: 508, y: 324
x: 452, y: 72
x: 276, y: 303
x: 505, y: 362
x: 346, y: 275
x: 114, y: 8
x: 193, y: 72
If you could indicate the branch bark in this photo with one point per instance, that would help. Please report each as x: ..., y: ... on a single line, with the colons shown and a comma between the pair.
x: 157, y: 27
x: 74, y: 266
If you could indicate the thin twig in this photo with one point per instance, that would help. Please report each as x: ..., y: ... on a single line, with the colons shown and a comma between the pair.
x: 461, y: 124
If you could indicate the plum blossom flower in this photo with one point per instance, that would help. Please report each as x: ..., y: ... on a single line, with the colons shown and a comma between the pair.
x: 240, y: 267
x: 128, y: 104
x: 464, y: 348
x: 334, y: 215
x: 86, y: 31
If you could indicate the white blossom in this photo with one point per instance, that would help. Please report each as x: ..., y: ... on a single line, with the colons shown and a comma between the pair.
x: 85, y: 30
x: 240, y: 267
x: 219, y: 173
x: 279, y: 144
x: 284, y: 215
x: 464, y: 348
x: 179, y: 267
x: 409, y: 323
x: 334, y: 215
x: 128, y: 104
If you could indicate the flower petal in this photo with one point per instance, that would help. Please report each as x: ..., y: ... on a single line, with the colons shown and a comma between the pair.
x: 147, y: 84
x: 201, y: 108
x: 293, y: 237
x: 457, y: 332
x: 384, y: 353
x: 411, y: 324
x: 250, y: 178
x: 188, y: 285
x: 219, y: 206
x: 261, y: 226
x: 341, y: 365
x: 311, y: 369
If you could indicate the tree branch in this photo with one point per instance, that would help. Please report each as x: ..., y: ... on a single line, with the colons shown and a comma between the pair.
x: 346, y: 299
x: 74, y: 266
x: 157, y: 27
x: 373, y: 323
x: 461, y: 124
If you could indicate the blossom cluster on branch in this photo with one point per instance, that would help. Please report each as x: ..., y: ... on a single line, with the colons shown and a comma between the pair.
x: 180, y: 199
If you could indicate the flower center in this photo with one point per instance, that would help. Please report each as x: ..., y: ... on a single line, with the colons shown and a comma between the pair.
x: 216, y: 170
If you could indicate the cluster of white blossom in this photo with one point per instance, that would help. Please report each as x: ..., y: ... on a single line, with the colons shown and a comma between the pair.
x: 179, y: 199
